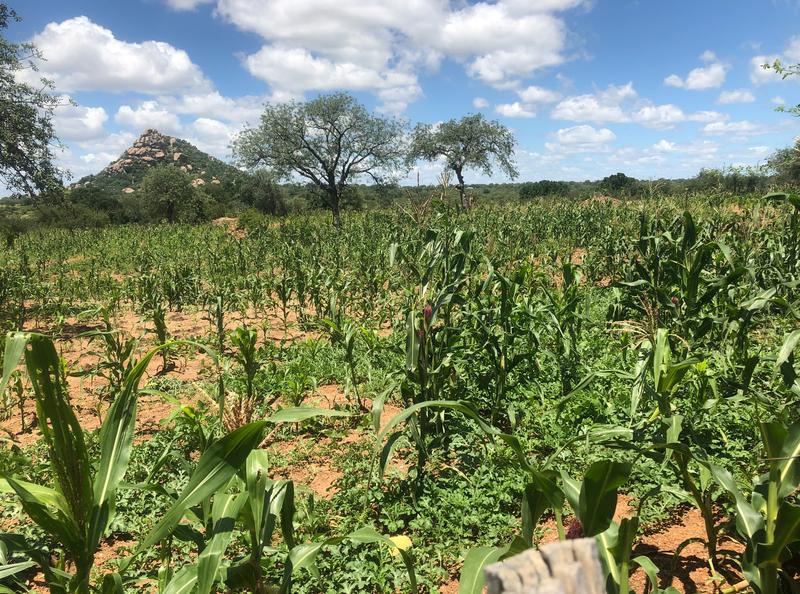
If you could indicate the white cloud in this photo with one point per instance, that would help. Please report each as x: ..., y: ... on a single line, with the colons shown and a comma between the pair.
x: 514, y: 110
x: 792, y: 51
x: 148, y: 115
x: 83, y: 56
x: 534, y: 94
x: 502, y: 45
x: 578, y: 139
x: 622, y: 104
x: 186, y: 4
x: 76, y: 122
x: 659, y: 116
x: 211, y: 136
x: 736, y: 96
x: 295, y: 70
x: 708, y: 56
x: 703, y: 77
x: 778, y: 101
x: 381, y: 46
x: 604, y: 106
x: 480, y: 103
x: 664, y: 146
x: 214, y: 105
x: 739, y: 129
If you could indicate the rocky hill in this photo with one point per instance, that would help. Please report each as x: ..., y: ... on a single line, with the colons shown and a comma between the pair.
x: 153, y: 148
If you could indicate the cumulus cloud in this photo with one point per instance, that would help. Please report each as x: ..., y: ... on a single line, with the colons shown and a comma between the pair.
x: 186, y: 4
x: 212, y: 136
x: 514, y: 110
x: 736, y: 96
x: 622, y: 104
x: 83, y: 56
x: 148, y: 115
x: 535, y: 95
x: 480, y: 103
x: 701, y: 78
x: 739, y: 129
x: 381, y: 46
x: 601, y: 107
x: 295, y: 70
x: 579, y: 139
x: 501, y: 45
x: 215, y: 105
x: 77, y: 122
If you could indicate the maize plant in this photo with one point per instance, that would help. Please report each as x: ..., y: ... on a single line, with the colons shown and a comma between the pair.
x: 77, y: 509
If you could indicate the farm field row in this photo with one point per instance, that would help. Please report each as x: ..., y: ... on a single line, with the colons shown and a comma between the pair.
x: 387, y: 406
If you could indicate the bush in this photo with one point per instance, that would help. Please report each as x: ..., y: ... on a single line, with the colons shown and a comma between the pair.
x: 546, y: 187
x: 260, y: 191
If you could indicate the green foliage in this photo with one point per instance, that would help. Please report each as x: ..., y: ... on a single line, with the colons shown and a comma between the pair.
x: 501, y: 397
x: 471, y: 142
x: 26, y: 127
x: 330, y: 141
x: 170, y: 193
x: 540, y: 189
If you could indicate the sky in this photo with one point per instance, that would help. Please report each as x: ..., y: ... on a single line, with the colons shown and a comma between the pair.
x: 651, y: 88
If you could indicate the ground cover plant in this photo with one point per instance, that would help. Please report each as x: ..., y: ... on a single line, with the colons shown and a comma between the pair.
x: 389, y: 405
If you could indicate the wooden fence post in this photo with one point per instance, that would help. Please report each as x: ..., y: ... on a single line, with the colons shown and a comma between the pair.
x: 566, y: 567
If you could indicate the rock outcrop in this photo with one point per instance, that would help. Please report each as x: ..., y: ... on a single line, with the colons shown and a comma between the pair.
x: 151, y: 149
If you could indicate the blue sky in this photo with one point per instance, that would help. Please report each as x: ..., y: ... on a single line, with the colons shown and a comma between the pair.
x: 590, y: 87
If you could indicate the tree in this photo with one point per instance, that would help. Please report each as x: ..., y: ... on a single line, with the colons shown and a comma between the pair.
x: 619, y: 184
x: 168, y: 190
x: 471, y: 142
x: 330, y: 141
x: 26, y: 126
x: 785, y: 163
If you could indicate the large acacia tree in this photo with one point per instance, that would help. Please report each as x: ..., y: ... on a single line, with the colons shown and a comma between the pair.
x: 329, y: 141
x: 26, y: 127
x: 471, y: 142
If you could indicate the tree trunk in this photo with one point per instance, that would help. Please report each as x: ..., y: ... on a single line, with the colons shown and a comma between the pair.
x: 462, y: 190
x: 333, y: 196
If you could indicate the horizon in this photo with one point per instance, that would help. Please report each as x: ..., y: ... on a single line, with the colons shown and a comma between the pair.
x: 587, y: 87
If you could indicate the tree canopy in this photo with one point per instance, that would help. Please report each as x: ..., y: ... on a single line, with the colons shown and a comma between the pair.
x: 168, y: 190
x: 26, y: 127
x: 471, y: 142
x: 330, y: 141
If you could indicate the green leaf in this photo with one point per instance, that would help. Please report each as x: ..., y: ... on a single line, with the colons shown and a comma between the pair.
x: 598, y: 498
x: 14, y: 349
x: 787, y: 532
x: 15, y: 568
x: 183, y: 582
x: 296, y: 415
x: 472, y: 577
x: 218, y: 464
x: 468, y: 410
x: 60, y: 428
x: 116, y: 439
x: 749, y: 521
x: 224, y: 513
x: 56, y: 523
x: 789, y: 344
x: 303, y: 556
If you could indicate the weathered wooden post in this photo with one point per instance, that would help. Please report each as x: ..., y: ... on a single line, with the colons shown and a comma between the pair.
x: 566, y: 567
